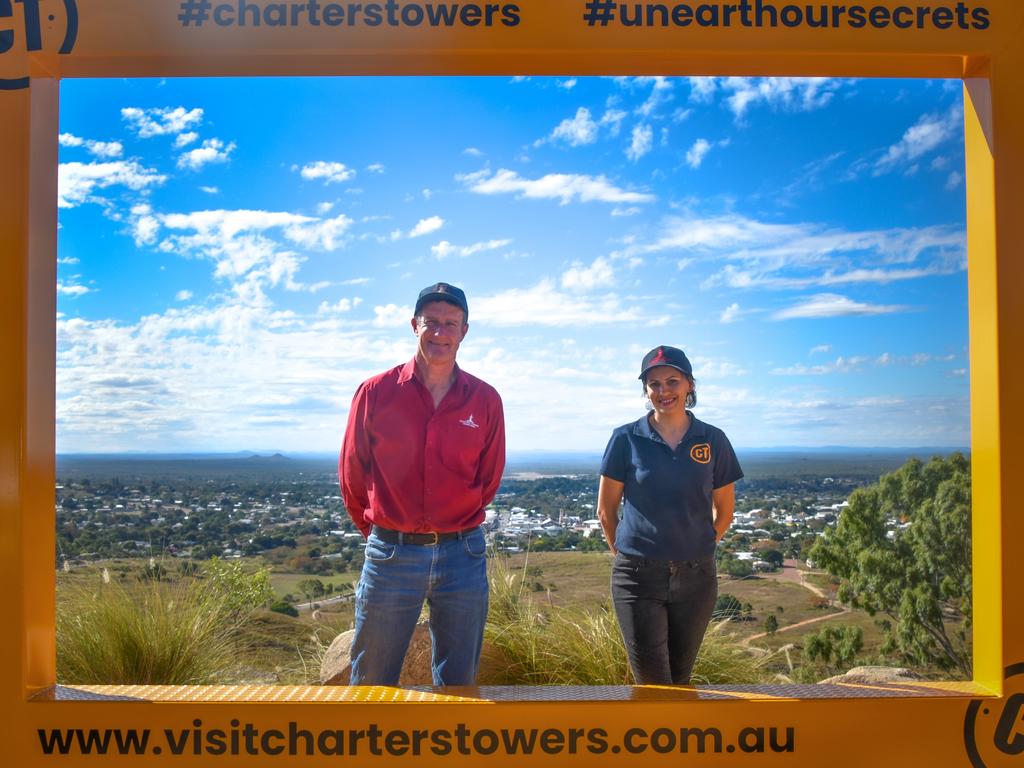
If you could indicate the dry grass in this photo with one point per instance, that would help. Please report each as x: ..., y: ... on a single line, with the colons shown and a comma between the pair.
x: 146, y: 633
x: 537, y: 643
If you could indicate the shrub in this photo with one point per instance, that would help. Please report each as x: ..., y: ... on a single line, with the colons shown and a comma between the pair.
x: 152, y: 632
x: 572, y: 646
x: 727, y: 607
x: 286, y: 608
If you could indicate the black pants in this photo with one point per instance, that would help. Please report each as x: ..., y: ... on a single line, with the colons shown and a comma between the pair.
x: 663, y: 609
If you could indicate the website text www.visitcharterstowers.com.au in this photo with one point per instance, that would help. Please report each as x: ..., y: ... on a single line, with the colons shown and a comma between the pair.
x: 237, y: 738
x: 595, y: 13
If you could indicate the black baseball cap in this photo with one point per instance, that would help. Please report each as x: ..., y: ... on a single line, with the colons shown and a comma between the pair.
x: 442, y: 292
x: 670, y: 356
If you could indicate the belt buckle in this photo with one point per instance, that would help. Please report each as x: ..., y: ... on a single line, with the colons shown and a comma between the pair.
x: 436, y: 540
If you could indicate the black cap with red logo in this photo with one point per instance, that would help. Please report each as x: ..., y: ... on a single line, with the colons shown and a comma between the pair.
x: 670, y: 356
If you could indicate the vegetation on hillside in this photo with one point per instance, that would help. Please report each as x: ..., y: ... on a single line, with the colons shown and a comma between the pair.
x: 154, y: 632
x: 903, y: 549
x: 539, y: 644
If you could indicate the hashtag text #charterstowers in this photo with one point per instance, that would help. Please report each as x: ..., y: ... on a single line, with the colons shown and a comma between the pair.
x: 313, y: 13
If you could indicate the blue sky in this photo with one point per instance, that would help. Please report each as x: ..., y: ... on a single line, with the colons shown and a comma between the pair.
x: 236, y: 255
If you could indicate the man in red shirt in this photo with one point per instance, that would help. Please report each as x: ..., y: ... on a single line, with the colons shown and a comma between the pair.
x: 422, y: 457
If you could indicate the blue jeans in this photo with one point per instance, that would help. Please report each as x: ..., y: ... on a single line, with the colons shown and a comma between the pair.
x: 397, y: 578
x: 663, y: 608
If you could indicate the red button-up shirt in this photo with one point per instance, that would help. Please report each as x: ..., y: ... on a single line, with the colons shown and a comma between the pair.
x: 410, y: 467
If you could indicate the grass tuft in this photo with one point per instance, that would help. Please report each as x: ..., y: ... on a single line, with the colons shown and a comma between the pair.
x: 147, y: 633
x: 531, y: 642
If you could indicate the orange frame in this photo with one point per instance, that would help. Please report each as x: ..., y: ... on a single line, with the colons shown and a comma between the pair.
x: 976, y: 723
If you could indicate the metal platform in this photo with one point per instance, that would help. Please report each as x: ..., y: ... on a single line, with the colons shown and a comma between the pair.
x: 492, y: 694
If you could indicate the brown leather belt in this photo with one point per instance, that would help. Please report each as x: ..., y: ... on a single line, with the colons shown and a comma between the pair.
x: 431, y: 539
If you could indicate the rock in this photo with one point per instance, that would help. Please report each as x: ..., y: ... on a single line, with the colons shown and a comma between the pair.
x: 875, y: 675
x: 336, y: 665
x: 336, y: 668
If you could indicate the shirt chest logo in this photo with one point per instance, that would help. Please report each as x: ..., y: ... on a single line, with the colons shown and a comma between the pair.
x: 701, y: 453
x: 469, y: 422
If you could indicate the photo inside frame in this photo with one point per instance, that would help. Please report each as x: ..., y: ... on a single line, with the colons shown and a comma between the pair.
x: 236, y: 256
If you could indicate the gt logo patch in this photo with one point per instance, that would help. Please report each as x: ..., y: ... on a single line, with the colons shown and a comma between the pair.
x: 701, y: 453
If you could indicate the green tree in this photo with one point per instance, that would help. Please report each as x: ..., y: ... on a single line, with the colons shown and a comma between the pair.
x: 903, y: 548
x: 728, y: 607
x: 738, y: 569
x: 312, y: 589
x: 771, y: 624
x: 242, y: 589
x: 773, y: 557
x: 834, y: 646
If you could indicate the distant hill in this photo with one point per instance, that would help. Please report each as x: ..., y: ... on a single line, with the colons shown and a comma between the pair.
x: 757, y: 463
x: 243, y: 466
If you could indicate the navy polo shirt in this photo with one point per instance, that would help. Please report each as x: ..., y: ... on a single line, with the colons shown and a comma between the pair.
x: 666, y: 513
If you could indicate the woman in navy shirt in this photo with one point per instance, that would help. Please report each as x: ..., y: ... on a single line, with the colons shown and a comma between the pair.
x: 673, y: 475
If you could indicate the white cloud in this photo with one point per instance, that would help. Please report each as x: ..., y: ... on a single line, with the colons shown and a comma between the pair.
x: 105, y: 150
x: 641, y: 142
x: 954, y: 180
x: 826, y: 305
x: 582, y: 278
x: 426, y: 226
x: 543, y: 305
x: 392, y: 316
x: 839, y: 365
x: 214, y: 376
x: 792, y: 94
x: 68, y: 260
x: 622, y: 212
x: 613, y: 118
x: 339, y: 307
x: 798, y: 256
x: 928, y: 133
x: 72, y: 289
x: 184, y: 139
x: 567, y: 85
x: 858, y: 362
x: 702, y: 89
x: 444, y: 249
x: 472, y: 152
x: 210, y: 190
x: 329, y: 172
x: 716, y: 233
x: 740, y: 278
x: 820, y: 349
x: 211, y: 151
x: 375, y: 168
x: 183, y: 295
x: 252, y: 249
x: 695, y: 154
x: 145, y: 225
x: 326, y: 235
x: 730, y: 314
x: 161, y: 122
x: 76, y: 182
x: 661, y: 92
x: 575, y: 131
x: 564, y: 187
